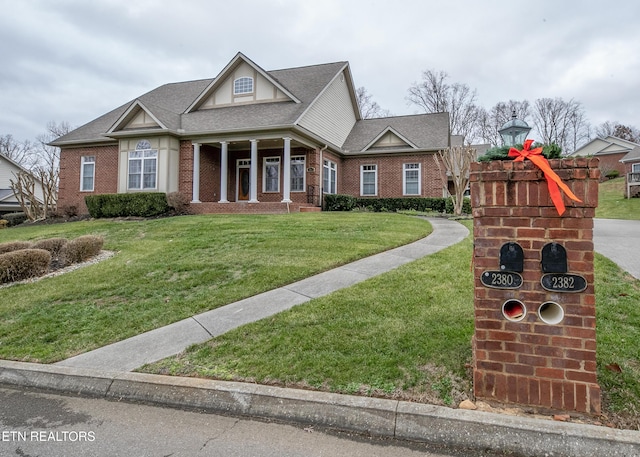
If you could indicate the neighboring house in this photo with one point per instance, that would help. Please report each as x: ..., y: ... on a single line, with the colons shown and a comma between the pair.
x: 253, y: 141
x: 631, y: 163
x: 8, y: 171
x: 610, y: 150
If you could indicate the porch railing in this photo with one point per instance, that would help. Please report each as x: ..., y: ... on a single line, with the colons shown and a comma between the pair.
x: 633, y: 185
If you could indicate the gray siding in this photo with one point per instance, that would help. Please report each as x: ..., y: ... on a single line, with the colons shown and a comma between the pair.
x: 332, y: 115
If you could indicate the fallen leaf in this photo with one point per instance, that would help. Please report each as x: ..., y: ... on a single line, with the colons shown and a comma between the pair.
x: 614, y: 367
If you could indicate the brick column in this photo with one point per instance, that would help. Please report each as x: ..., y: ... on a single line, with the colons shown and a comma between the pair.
x: 526, y: 360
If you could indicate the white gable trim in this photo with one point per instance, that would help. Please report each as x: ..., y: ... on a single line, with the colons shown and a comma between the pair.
x: 621, y: 142
x: 222, y: 76
x: 383, y: 133
x: 128, y: 115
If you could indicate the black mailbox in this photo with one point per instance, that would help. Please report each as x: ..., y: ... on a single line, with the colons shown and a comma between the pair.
x: 511, y: 257
x: 554, y: 258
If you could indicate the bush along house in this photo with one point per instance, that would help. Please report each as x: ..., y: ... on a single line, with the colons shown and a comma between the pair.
x: 253, y: 141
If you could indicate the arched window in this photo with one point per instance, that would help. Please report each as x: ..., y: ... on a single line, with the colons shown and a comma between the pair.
x: 243, y: 85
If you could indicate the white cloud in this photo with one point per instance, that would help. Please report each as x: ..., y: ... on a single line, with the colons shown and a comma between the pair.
x: 72, y: 60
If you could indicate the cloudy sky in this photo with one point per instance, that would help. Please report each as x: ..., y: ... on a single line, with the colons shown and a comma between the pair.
x: 73, y: 60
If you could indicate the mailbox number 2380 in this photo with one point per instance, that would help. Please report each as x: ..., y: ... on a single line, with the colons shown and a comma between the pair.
x: 501, y: 279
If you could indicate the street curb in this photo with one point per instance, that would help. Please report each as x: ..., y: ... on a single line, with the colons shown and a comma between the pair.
x: 378, y: 417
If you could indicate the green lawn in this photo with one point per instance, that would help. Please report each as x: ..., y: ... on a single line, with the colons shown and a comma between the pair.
x: 168, y: 269
x: 613, y: 205
x: 404, y: 334
x: 407, y: 334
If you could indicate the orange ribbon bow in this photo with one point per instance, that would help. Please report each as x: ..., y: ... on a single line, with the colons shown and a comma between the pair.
x: 554, y: 183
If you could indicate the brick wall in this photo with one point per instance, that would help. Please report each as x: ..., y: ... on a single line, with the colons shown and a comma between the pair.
x: 105, y: 181
x: 390, y: 172
x: 610, y: 162
x: 531, y: 362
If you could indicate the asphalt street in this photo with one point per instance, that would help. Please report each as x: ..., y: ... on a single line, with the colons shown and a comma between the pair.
x: 619, y: 240
x: 43, y: 424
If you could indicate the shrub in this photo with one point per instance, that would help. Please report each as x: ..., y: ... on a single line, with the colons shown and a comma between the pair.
x: 337, y: 202
x: 69, y: 211
x: 422, y: 204
x: 53, y: 245
x: 81, y: 249
x: 550, y: 151
x: 4, y: 223
x: 612, y: 174
x: 11, y: 246
x: 15, y: 218
x: 179, y: 203
x: 23, y: 264
x: 141, y: 204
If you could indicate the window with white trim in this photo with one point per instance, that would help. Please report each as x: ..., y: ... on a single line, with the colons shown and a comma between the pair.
x: 368, y: 180
x: 635, y: 168
x: 87, y: 173
x: 411, y: 179
x: 271, y: 174
x: 297, y: 173
x: 143, y: 167
x: 243, y: 85
x: 329, y: 176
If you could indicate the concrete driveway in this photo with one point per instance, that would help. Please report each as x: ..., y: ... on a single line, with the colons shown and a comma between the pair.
x: 619, y: 240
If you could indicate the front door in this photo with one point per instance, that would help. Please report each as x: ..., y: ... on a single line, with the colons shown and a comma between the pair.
x: 244, y: 179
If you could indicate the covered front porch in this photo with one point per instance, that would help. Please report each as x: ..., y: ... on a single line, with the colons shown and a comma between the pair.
x: 257, y: 175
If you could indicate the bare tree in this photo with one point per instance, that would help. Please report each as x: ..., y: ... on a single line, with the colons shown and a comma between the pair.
x: 605, y: 129
x: 369, y: 109
x: 491, y: 121
x: 27, y: 191
x: 37, y: 191
x: 558, y: 121
x: 48, y: 168
x: 434, y: 95
x: 20, y: 152
x: 455, y: 163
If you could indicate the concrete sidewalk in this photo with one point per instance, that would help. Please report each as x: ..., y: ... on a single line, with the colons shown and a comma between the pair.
x: 166, y: 341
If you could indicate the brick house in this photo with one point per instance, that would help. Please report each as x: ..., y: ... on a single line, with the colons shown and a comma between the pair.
x: 9, y: 169
x: 253, y: 141
x: 610, y: 150
x: 631, y: 163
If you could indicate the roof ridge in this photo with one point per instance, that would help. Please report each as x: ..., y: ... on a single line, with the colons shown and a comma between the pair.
x: 342, y: 62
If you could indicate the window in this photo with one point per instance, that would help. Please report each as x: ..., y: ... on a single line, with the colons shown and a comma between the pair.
x: 635, y: 168
x: 143, y: 164
x: 369, y: 180
x: 243, y: 85
x: 411, y: 179
x: 297, y: 174
x: 271, y: 174
x: 87, y: 173
x: 329, y: 174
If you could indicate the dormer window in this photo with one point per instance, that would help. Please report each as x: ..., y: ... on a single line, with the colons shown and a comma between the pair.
x: 243, y: 85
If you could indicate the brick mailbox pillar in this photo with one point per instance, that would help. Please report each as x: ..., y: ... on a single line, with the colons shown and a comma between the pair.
x: 535, y: 321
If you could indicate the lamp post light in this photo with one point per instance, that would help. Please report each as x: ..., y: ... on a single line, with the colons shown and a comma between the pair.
x: 514, y: 131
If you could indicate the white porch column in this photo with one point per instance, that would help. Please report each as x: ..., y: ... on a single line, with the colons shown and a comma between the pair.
x: 196, y: 174
x: 286, y: 175
x: 253, y: 173
x: 224, y: 172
